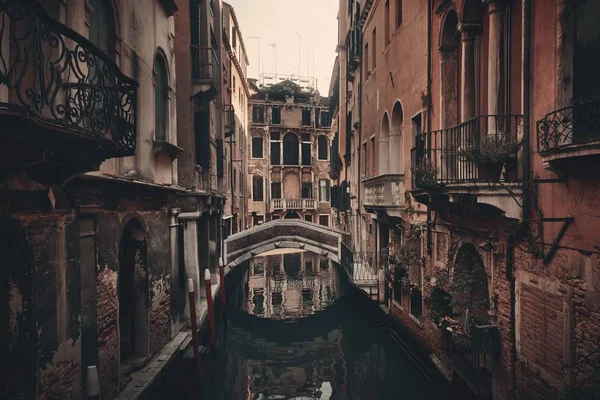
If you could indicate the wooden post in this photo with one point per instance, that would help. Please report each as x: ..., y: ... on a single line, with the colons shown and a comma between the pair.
x: 195, y: 344
x: 211, y: 310
x: 222, y: 278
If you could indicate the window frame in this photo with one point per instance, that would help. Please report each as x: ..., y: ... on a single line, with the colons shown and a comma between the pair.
x: 326, y: 216
x: 326, y: 148
x: 262, y: 178
x: 159, y: 60
x: 327, y: 188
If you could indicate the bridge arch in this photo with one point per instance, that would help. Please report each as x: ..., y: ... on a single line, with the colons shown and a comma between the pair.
x: 283, y: 234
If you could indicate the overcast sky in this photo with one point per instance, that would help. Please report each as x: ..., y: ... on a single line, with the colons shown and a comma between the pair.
x: 280, y: 22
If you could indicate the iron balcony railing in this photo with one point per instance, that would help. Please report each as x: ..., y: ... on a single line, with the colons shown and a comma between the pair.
x: 59, y: 77
x: 458, y: 154
x: 293, y: 204
x: 475, y: 367
x: 205, y: 65
x: 572, y: 125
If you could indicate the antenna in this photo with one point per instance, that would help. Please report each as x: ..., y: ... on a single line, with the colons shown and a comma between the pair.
x: 299, y: 52
x: 274, y: 46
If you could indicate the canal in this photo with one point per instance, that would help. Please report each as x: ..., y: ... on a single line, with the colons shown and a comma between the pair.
x: 296, y: 329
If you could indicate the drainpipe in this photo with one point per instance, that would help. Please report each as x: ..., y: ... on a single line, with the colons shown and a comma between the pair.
x: 358, y: 213
x: 429, y: 105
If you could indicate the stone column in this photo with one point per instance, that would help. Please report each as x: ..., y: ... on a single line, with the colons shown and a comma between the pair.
x: 190, y: 256
x: 176, y: 294
x: 496, y: 76
x: 468, y: 93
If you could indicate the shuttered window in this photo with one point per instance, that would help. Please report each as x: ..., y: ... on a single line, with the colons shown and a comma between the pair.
x: 220, y: 159
x: 102, y: 26
x: 202, y: 136
x: 257, y: 147
x: 257, y: 188
x: 322, y: 144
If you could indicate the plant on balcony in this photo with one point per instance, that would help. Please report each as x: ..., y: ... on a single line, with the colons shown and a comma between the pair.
x: 425, y: 175
x: 490, y: 155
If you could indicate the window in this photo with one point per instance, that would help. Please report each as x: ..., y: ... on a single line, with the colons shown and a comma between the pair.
x: 325, y: 121
x: 234, y: 188
x: 275, y: 217
x: 366, y: 61
x: 276, y: 117
x: 374, y: 47
x: 387, y: 22
x: 275, y: 148
x: 398, y: 13
x: 220, y: 159
x: 306, y: 150
x: 373, y: 157
x: 308, y: 217
x: 258, y: 114
x: 102, y: 27
x: 257, y: 188
x: 306, y: 116
x: 233, y: 84
x: 202, y: 136
x: 322, y: 144
x: 257, y: 147
x: 307, y: 190
x: 234, y: 38
x: 290, y: 149
x: 416, y: 302
x: 366, y: 158
x: 161, y: 99
x: 324, y: 185
x: 275, y: 190
x: 324, y: 220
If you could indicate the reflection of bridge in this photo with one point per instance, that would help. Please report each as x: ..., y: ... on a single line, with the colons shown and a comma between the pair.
x: 299, y: 234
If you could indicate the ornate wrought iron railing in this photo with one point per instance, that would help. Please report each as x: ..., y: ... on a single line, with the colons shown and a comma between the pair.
x: 229, y: 115
x: 449, y: 156
x: 575, y: 124
x: 59, y: 77
x: 205, y: 64
x: 473, y: 366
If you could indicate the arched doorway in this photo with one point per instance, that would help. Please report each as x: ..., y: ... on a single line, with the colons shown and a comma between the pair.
x: 396, y: 145
x: 384, y: 145
x: 291, y: 149
x: 18, y: 358
x: 133, y: 292
x: 470, y: 286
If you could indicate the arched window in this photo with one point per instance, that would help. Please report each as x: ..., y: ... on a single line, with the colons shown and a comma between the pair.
x: 396, y: 145
x: 322, y: 144
x: 257, y: 188
x: 290, y: 149
x: 161, y: 99
x: 384, y: 145
x: 102, y: 26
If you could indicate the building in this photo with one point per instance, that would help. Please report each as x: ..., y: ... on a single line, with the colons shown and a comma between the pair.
x: 450, y: 182
x: 89, y: 185
x: 288, y: 155
x: 236, y: 122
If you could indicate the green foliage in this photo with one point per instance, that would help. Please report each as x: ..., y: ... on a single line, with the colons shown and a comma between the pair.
x: 491, y: 150
x: 425, y: 175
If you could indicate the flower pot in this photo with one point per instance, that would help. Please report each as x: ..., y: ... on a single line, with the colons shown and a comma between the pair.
x: 489, y: 171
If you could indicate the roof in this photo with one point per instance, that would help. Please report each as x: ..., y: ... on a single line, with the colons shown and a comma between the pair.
x: 286, y: 88
x: 238, y: 27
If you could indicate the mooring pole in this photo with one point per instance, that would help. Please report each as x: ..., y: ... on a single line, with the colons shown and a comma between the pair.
x: 222, y: 278
x: 92, y: 383
x: 211, y: 310
x: 194, y: 321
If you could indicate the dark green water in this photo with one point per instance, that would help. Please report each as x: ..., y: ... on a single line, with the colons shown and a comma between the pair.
x: 295, y: 329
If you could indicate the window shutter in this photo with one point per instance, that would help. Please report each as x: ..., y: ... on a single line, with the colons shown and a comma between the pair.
x: 220, y: 158
x: 202, y: 133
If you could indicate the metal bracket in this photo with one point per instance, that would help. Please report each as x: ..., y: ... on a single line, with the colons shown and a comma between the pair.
x: 566, y: 222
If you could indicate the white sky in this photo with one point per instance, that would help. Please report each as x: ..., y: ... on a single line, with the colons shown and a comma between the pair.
x: 280, y: 22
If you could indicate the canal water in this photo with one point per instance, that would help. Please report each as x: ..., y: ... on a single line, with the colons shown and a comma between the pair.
x: 296, y: 329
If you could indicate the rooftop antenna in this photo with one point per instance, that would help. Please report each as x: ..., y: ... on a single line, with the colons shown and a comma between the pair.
x: 299, y: 52
x: 274, y: 46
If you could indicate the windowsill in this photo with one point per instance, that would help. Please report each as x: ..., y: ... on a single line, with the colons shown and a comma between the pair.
x: 398, y: 305
x: 253, y: 158
x: 163, y: 146
x: 415, y: 320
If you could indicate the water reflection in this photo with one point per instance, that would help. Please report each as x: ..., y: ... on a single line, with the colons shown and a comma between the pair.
x: 288, y: 286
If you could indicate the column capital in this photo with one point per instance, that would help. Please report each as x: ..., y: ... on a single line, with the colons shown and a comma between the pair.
x: 469, y: 30
x: 495, y: 5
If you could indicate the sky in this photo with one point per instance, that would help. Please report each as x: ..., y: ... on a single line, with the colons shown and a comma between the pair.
x: 280, y: 22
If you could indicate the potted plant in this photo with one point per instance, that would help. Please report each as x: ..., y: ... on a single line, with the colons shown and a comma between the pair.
x: 490, y: 155
x: 425, y: 175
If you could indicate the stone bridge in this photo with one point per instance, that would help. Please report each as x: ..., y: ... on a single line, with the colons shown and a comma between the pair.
x: 283, y: 234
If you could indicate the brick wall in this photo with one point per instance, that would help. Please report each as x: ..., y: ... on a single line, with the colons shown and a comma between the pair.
x: 108, y: 335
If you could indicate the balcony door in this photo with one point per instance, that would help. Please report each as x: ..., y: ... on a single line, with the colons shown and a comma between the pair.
x: 102, y: 26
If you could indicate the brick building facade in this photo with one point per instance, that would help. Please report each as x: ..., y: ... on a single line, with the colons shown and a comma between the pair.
x: 288, y: 155
x: 479, y: 131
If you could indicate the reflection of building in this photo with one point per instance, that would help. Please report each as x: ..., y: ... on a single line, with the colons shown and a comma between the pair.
x: 288, y: 154
x: 290, y: 285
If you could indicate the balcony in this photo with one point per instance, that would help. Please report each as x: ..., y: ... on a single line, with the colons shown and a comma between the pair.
x: 473, y: 163
x: 471, y: 356
x: 59, y: 92
x: 206, y: 72
x: 384, y: 193
x: 229, y: 120
x: 293, y: 204
x: 568, y: 139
